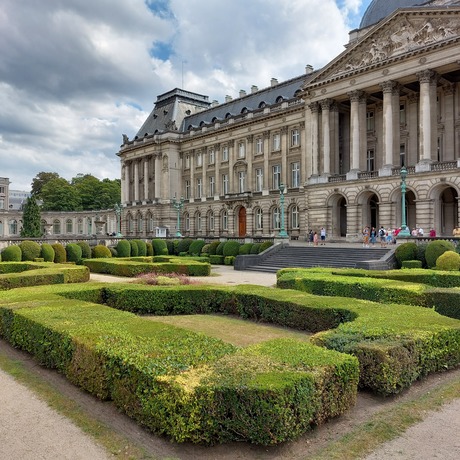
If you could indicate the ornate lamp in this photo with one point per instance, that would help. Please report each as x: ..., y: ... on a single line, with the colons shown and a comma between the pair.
x: 178, y: 205
x: 117, y: 209
x: 404, y: 233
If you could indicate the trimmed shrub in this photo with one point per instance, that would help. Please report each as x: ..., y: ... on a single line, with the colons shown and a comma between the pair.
x: 229, y: 260
x: 205, y: 249
x: 449, y: 261
x: 421, y: 249
x: 134, y: 248
x: 149, y: 248
x: 196, y: 247
x: 171, y: 247
x: 30, y: 250
x: 100, y: 252
x: 73, y: 253
x: 214, y: 259
x: 141, y: 248
x: 47, y: 252
x: 265, y: 245
x: 220, y: 248
x: 434, y: 249
x: 160, y: 247
x: 60, y: 256
x: 411, y: 264
x: 123, y: 248
x: 405, y: 251
x: 255, y: 248
x: 183, y: 245
x: 231, y: 248
x: 113, y: 251
x: 213, y: 247
x: 85, y: 249
x: 12, y: 253
x: 245, y: 249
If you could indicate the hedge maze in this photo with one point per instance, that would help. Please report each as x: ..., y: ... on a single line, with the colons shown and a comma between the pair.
x: 194, y: 388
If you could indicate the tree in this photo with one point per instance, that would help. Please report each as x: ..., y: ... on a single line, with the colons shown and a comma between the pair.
x: 59, y: 195
x: 96, y: 194
x: 31, y: 219
x: 40, y: 180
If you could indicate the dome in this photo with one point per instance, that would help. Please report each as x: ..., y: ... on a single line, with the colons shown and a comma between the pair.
x: 379, y: 9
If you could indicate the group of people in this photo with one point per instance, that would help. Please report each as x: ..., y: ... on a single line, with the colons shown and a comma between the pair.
x: 314, y: 239
x: 370, y: 235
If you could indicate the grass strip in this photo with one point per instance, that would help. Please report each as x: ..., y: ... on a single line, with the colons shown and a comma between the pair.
x: 388, y: 424
x: 119, y: 446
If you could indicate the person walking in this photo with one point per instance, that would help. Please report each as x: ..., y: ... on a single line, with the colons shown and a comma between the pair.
x: 382, y: 235
x: 373, y: 236
x: 310, y: 237
x: 315, y: 239
x: 366, y: 237
x: 323, y: 236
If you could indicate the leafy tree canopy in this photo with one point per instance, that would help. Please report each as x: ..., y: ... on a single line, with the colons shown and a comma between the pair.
x: 59, y: 195
x: 40, y: 180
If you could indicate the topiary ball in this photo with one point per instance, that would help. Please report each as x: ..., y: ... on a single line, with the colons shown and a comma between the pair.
x: 436, y: 248
x: 47, y: 252
x: 265, y: 245
x: 196, y: 247
x: 73, y: 252
x: 231, y: 248
x: 160, y: 247
x: 123, y: 248
x: 85, y: 249
x: 101, y: 252
x: 60, y: 256
x: 134, y: 248
x: 405, y: 251
x: 245, y: 248
x: 141, y: 248
x: 449, y: 261
x: 12, y: 253
x: 30, y: 250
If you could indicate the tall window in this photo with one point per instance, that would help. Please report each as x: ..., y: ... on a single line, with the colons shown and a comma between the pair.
x: 259, y: 146
x: 68, y: 226
x: 187, y: 222
x: 276, y: 218
x: 370, y: 120
x: 439, y: 149
x: 211, y: 221
x: 80, y: 226
x: 212, y: 186
x: 199, y: 187
x: 225, y: 153
x: 150, y: 223
x: 295, y: 174
x: 198, y: 222
x: 199, y: 159
x: 294, y: 214
x: 139, y: 223
x: 241, y: 150
x: 295, y: 138
x: 14, y: 226
x: 276, y: 142
x: 259, y: 179
x: 224, y: 222
x: 187, y: 161
x: 212, y: 156
x: 224, y: 184
x: 402, y: 114
x: 276, y: 179
x: 241, y: 181
x: 370, y: 160
x: 187, y: 189
x: 57, y: 227
x: 259, y: 219
x: 402, y: 154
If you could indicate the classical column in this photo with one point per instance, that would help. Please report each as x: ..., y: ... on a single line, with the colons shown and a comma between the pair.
x: 326, y: 128
x: 136, y: 180
x: 249, y: 154
x: 426, y: 78
x: 146, y: 178
x: 284, y: 143
x: 335, y: 158
x: 390, y: 121
x: 314, y: 109
x: 303, y: 153
x: 449, y: 122
x: 158, y: 176
x: 124, y: 182
x: 266, y: 184
x: 412, y: 124
x: 355, y: 97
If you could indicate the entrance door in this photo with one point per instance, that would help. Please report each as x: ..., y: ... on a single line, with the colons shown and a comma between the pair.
x: 242, y: 222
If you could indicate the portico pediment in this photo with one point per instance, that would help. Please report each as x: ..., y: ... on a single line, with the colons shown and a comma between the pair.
x: 405, y: 32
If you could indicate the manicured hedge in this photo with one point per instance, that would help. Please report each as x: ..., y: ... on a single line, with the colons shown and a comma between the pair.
x: 179, y: 383
x: 30, y: 250
x: 85, y: 249
x: 100, y: 251
x: 73, y: 252
x: 132, y: 267
x: 123, y: 248
x: 12, y: 253
x: 60, y: 256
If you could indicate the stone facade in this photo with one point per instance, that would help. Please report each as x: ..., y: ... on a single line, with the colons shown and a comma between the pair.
x: 336, y: 138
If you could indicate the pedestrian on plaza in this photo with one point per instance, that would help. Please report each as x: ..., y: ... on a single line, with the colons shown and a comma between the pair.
x: 366, y: 237
x: 382, y: 235
x: 373, y: 236
x: 432, y: 233
x: 315, y: 239
x: 310, y: 237
x: 323, y: 236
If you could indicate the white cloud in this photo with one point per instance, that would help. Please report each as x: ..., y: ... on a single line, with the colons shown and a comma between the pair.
x: 73, y: 73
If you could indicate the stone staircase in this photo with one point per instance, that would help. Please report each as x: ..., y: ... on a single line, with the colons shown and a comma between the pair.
x: 374, y: 258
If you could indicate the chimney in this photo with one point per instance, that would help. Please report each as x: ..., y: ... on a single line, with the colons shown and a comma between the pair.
x: 273, y: 82
x: 242, y: 93
x: 308, y: 69
x: 228, y: 98
x: 214, y: 103
x: 254, y: 89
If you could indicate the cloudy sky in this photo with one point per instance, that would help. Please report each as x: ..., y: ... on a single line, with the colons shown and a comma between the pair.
x: 76, y: 74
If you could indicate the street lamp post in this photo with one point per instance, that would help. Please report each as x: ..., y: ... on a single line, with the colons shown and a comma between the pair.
x: 178, y: 205
x: 283, y: 233
x: 117, y: 209
x: 404, y: 233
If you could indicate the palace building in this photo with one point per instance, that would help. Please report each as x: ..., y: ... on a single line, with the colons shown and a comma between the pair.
x: 334, y: 141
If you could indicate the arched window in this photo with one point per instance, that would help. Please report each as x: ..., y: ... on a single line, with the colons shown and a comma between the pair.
x: 187, y: 222
x: 56, y: 226
x: 42, y: 226
x: 68, y: 226
x: 279, y: 99
x: 259, y: 219
x: 276, y: 218
x: 262, y: 105
x: 294, y: 217
x: 130, y: 223
x: 13, y: 227
x: 211, y: 221
x: 224, y: 220
x: 139, y: 223
x: 80, y: 226
x: 150, y: 223
x: 198, y: 222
